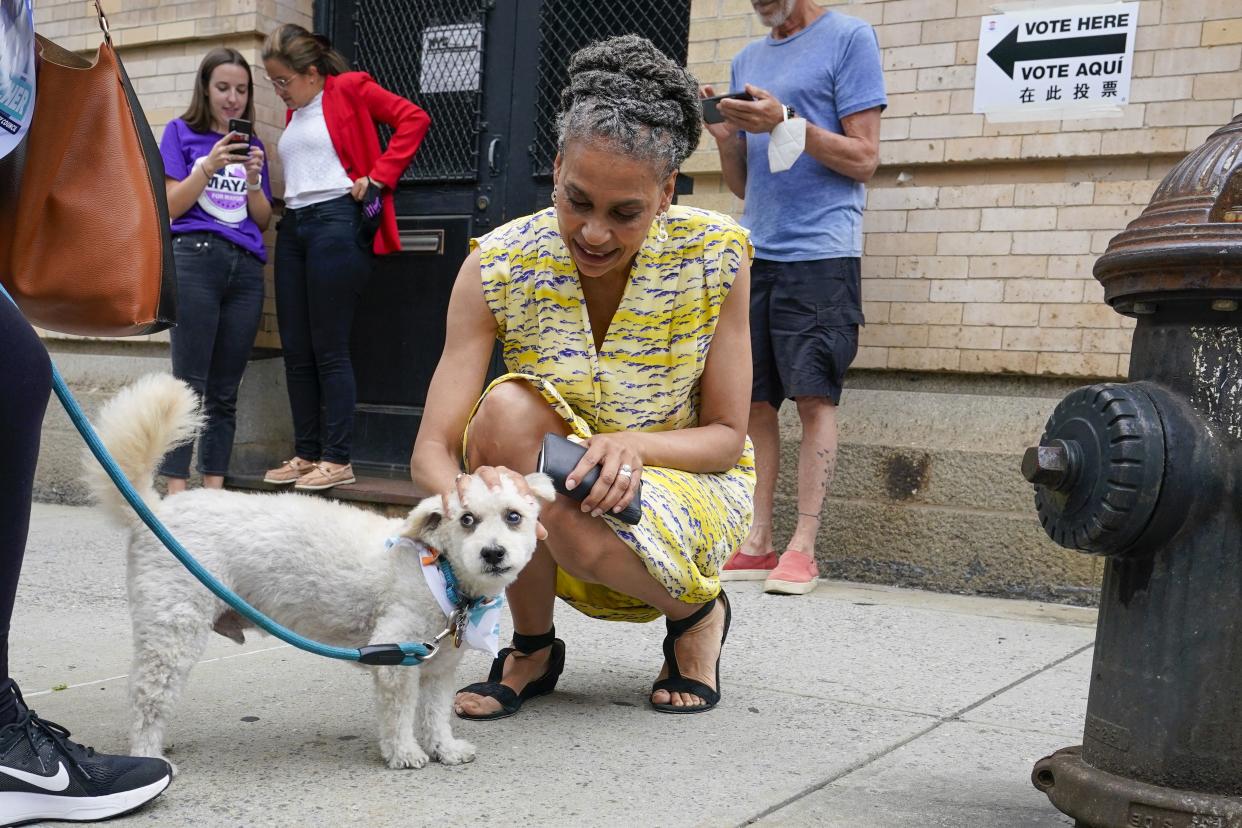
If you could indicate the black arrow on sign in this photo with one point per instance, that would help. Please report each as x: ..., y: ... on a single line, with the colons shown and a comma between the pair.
x: 1009, y: 51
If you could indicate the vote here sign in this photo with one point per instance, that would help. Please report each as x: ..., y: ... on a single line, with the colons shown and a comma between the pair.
x: 1068, y: 62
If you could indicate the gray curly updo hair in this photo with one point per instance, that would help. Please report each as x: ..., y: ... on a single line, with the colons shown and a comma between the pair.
x: 628, y: 93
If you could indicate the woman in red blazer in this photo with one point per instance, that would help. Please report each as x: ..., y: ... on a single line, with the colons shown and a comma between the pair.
x: 338, y: 212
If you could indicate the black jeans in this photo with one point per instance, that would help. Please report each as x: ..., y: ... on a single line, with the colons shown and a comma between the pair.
x: 320, y: 272
x: 219, y: 303
x: 25, y: 383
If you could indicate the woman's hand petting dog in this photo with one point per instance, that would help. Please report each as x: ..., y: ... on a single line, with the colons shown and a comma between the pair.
x: 491, y: 475
x: 619, y: 476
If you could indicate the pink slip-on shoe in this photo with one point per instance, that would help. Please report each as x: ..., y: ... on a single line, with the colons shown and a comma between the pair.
x: 743, y: 567
x: 796, y: 574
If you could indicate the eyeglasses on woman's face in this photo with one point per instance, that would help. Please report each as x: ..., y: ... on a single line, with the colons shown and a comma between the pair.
x: 280, y: 83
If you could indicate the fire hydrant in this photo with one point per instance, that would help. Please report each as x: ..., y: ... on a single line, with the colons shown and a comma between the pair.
x: 1146, y: 473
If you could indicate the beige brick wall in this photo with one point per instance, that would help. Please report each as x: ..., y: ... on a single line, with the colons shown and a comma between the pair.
x: 979, y: 259
x: 161, y: 43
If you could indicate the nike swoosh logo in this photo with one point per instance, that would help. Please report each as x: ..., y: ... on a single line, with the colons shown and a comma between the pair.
x: 56, y: 782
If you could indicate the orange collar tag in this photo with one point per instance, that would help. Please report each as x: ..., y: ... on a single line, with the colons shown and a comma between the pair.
x: 429, y: 555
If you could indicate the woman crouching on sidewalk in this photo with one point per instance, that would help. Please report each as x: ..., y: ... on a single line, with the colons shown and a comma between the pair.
x: 622, y: 321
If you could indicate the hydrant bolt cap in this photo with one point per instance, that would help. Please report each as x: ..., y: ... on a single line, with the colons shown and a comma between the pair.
x: 1045, y: 465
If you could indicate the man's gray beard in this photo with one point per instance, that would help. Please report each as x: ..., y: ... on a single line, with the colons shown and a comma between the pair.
x: 776, y: 18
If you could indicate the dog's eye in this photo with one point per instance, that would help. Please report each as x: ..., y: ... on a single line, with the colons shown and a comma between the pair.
x: 467, y: 520
x: 513, y: 518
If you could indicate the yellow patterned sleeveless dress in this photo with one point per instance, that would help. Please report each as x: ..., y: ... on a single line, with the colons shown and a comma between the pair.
x: 645, y: 377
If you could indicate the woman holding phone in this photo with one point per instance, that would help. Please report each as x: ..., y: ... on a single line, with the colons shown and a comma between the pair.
x: 220, y: 202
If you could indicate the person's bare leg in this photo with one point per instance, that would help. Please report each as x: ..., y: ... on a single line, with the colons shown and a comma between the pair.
x: 213, y: 481
x: 531, y: 599
x: 588, y: 549
x: 765, y: 433
x: 817, y: 463
x: 493, y: 441
x: 176, y: 485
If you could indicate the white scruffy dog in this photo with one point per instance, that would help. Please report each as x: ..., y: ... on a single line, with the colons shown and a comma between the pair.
x: 316, y: 566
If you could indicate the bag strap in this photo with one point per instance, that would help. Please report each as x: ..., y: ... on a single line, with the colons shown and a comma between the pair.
x: 103, y: 23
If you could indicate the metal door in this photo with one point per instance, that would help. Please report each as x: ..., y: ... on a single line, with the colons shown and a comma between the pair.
x: 489, y: 73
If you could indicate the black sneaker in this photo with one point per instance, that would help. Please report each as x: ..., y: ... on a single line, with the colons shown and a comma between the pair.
x: 43, y: 775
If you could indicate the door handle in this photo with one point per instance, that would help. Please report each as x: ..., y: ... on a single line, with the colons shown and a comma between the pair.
x: 492, y: 166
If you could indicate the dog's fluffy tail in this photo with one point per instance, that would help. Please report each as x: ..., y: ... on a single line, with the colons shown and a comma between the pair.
x: 139, y: 426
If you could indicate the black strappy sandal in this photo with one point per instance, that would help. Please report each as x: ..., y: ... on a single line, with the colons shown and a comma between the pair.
x: 676, y: 682
x: 511, y: 702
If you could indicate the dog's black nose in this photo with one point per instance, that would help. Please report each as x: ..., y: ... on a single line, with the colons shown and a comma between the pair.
x: 493, y: 554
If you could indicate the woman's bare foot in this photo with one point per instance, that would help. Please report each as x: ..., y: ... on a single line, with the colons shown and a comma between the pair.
x: 697, y: 651
x: 520, y: 669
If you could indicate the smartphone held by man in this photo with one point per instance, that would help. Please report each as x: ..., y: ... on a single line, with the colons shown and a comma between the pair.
x: 711, y: 106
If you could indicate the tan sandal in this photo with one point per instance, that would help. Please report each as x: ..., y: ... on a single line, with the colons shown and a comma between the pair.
x: 288, y: 472
x: 321, y: 477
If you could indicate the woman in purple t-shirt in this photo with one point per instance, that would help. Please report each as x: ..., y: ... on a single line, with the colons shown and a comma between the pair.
x: 220, y: 202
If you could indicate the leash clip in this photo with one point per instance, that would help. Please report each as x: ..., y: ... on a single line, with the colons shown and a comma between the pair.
x: 457, y: 622
x: 433, y: 646
x: 393, y: 654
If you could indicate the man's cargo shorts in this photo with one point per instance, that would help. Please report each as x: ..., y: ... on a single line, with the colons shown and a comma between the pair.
x: 804, y: 319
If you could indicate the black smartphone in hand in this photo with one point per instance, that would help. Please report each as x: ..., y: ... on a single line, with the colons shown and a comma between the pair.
x: 242, y: 127
x: 245, y: 129
x: 557, y: 458
x: 711, y: 112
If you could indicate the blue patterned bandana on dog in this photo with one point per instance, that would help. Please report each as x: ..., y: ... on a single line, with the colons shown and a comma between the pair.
x: 483, y: 620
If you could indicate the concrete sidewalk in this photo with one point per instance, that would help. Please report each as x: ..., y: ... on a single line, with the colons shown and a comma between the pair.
x: 853, y: 706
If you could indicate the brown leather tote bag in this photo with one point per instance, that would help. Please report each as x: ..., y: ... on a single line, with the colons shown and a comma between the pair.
x: 85, y: 246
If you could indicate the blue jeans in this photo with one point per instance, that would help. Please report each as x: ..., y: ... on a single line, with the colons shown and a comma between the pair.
x: 320, y: 272
x: 219, y: 303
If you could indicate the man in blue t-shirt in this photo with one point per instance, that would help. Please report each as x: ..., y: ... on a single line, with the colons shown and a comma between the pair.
x: 806, y: 226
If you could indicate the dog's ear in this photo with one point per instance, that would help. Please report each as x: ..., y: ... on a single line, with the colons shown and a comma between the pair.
x: 425, y: 518
x: 541, y: 486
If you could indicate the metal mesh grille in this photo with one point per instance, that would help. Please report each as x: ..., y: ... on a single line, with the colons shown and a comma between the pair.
x: 565, y: 26
x: 430, y: 52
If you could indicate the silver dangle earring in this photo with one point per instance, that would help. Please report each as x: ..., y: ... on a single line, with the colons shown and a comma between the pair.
x: 553, y: 196
x: 662, y: 229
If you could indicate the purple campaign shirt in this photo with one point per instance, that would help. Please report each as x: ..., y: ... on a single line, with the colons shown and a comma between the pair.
x: 221, y: 209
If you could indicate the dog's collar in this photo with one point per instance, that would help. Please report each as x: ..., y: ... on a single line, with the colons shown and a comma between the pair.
x: 430, y: 555
x: 474, y: 621
x: 455, y: 596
